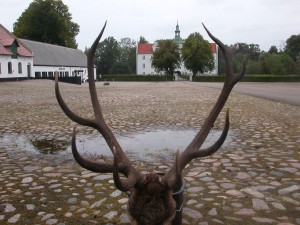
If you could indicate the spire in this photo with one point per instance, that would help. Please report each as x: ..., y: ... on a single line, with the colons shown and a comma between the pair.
x: 177, y: 39
x: 177, y: 31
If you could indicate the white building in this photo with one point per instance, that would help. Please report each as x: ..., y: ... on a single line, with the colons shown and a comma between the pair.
x: 144, y: 55
x: 23, y: 59
x: 49, y: 59
x: 144, y: 59
x: 16, y: 59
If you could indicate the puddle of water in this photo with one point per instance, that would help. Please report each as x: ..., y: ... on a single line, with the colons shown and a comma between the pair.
x: 22, y: 142
x: 148, y: 146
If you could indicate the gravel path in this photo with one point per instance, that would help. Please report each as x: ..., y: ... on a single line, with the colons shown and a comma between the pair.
x: 254, y: 180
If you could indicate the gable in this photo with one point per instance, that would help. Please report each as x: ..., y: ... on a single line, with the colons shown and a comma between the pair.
x: 9, y: 41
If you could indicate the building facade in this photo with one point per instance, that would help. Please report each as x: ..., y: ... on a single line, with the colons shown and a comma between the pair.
x: 16, y: 59
x: 23, y: 59
x: 48, y: 59
x: 144, y: 54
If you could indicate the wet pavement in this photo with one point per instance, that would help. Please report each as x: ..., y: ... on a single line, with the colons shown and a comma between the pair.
x: 253, y: 179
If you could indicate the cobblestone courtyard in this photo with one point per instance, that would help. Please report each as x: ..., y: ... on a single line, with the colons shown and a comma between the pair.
x: 253, y: 180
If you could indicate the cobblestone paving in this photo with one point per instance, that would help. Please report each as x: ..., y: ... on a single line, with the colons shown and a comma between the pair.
x: 255, y: 182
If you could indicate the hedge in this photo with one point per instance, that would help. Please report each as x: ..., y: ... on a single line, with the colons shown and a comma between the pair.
x: 220, y: 78
x: 251, y: 78
x: 134, y: 78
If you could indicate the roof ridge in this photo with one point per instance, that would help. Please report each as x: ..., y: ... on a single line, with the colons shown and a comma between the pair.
x: 55, y: 45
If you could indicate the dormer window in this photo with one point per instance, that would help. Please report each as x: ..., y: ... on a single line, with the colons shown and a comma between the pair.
x: 14, y: 50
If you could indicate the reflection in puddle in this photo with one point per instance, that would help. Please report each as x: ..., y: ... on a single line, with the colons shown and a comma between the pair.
x: 22, y: 142
x: 50, y: 147
x: 148, y: 146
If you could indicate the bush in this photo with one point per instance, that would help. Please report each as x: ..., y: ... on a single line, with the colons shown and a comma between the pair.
x: 251, y: 78
x: 134, y: 78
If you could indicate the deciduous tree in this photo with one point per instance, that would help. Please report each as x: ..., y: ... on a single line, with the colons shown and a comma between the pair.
x: 143, y: 40
x: 47, y: 21
x: 107, y: 54
x: 292, y: 47
x: 197, y: 54
x: 166, y: 57
x: 127, y: 48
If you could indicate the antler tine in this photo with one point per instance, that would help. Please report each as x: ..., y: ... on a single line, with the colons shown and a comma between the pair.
x: 122, y: 185
x: 92, y: 165
x: 92, y: 86
x: 228, y: 59
x: 192, y: 151
x: 67, y: 111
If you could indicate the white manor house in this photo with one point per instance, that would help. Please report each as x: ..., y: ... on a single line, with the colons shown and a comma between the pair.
x: 144, y: 55
x: 24, y: 59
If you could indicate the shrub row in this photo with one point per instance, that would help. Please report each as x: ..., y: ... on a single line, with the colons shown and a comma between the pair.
x: 251, y: 78
x: 133, y: 78
x: 247, y: 78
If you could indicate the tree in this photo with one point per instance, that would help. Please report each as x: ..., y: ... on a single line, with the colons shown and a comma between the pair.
x: 197, y: 54
x: 107, y: 54
x: 297, y: 65
x: 47, y: 21
x: 279, y: 64
x: 143, y: 40
x: 127, y: 48
x: 253, y: 67
x: 166, y: 57
x: 120, y: 68
x: 292, y: 47
x: 273, y: 50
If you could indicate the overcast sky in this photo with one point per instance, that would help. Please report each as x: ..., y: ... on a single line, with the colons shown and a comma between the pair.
x: 263, y: 22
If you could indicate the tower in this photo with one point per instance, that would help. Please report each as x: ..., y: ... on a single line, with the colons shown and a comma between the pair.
x: 177, y: 39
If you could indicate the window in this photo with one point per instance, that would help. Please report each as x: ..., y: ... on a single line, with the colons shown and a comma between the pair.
x: 37, y: 74
x: 44, y: 74
x: 19, y: 67
x: 144, y: 57
x: 9, y: 68
x: 67, y: 74
x: 50, y: 74
x: 144, y: 65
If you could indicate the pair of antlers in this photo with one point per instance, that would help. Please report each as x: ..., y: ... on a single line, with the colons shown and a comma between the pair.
x: 121, y: 163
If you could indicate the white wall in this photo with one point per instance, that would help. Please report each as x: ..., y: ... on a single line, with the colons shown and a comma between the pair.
x: 64, y: 71
x: 5, y: 59
x: 143, y: 64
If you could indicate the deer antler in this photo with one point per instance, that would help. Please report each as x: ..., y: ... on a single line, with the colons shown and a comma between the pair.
x: 192, y: 151
x: 123, y: 163
x: 150, y: 200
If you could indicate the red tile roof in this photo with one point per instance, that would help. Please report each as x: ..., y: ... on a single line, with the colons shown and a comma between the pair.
x: 6, y: 42
x: 7, y: 39
x: 4, y: 51
x: 145, y: 49
x: 213, y: 47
